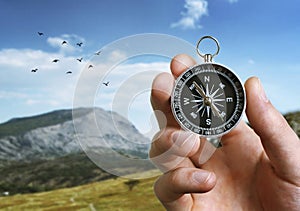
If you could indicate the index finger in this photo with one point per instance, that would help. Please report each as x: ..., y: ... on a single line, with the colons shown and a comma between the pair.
x: 162, y: 89
x: 180, y: 63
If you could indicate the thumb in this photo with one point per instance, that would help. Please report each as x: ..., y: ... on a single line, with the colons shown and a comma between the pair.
x: 280, y: 142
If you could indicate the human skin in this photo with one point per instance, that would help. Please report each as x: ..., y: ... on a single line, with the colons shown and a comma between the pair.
x: 256, y: 168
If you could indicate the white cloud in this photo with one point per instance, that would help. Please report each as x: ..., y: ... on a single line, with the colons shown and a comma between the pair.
x: 129, y: 93
x: 23, y: 58
x: 49, y: 88
x: 195, y: 10
x: 116, y: 55
x: 70, y: 46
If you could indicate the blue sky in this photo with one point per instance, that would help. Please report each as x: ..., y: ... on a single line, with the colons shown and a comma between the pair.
x: 257, y: 38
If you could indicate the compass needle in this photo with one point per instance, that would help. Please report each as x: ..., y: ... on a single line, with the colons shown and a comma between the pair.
x: 207, y: 90
x: 216, y: 111
x: 208, y: 111
x: 198, y: 88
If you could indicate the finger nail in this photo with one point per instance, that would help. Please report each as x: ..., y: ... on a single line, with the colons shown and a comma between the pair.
x: 263, y: 95
x: 183, y: 138
x: 202, y: 176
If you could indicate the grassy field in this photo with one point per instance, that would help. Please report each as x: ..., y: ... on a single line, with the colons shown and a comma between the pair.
x: 112, y: 195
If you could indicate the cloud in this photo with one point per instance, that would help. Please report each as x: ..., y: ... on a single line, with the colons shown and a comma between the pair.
x: 116, y: 55
x: 70, y: 47
x: 49, y: 88
x: 23, y: 58
x: 195, y: 10
x: 129, y: 93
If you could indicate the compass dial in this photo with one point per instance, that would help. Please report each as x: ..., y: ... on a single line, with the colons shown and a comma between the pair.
x: 208, y: 99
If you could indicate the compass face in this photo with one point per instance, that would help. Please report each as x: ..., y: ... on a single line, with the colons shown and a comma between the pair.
x: 208, y: 99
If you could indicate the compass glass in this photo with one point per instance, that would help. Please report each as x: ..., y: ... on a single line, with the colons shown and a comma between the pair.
x: 208, y: 99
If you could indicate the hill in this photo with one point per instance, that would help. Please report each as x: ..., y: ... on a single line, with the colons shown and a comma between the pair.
x: 293, y: 118
x: 49, y: 151
x: 111, y: 194
x: 44, y: 175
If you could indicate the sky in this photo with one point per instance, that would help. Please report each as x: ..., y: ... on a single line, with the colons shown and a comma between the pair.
x: 257, y: 38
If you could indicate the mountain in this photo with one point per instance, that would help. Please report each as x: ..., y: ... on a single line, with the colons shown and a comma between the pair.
x: 19, y: 126
x: 67, y: 148
x: 52, y: 135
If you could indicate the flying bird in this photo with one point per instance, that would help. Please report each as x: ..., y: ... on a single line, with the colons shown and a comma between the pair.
x: 90, y: 66
x: 55, y: 60
x: 106, y: 84
x: 79, y: 44
x: 34, y: 70
x: 40, y: 33
x: 98, y: 53
x: 69, y: 72
x: 64, y: 42
x: 80, y: 60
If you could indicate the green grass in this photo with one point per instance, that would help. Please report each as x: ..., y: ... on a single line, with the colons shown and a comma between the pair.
x: 110, y: 195
x: 45, y: 175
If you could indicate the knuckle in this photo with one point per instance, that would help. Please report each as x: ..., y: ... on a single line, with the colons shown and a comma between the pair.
x: 161, y: 142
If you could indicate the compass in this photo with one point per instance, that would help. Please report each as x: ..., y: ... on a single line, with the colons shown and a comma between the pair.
x: 208, y: 99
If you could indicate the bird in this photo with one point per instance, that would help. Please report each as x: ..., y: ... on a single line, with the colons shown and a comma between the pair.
x: 90, y: 66
x: 106, y: 83
x: 55, y: 60
x: 80, y: 60
x: 40, y: 33
x: 79, y: 44
x: 34, y: 70
x: 98, y: 53
x: 64, y: 42
x: 69, y: 72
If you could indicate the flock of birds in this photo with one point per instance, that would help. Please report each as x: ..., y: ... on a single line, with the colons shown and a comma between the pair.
x: 79, y: 44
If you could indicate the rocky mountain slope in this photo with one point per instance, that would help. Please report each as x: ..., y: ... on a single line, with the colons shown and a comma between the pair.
x: 53, y: 135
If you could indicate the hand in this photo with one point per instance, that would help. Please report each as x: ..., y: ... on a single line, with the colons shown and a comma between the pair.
x: 255, y: 169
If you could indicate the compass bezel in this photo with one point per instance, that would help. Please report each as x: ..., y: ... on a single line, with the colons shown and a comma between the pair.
x: 230, y: 122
